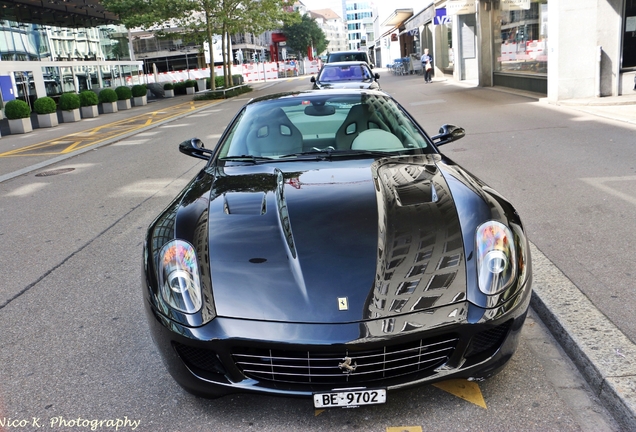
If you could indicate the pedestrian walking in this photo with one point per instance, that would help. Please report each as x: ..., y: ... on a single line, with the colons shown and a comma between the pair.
x: 427, y: 66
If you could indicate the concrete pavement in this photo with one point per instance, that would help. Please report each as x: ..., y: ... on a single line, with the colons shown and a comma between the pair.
x: 605, y: 356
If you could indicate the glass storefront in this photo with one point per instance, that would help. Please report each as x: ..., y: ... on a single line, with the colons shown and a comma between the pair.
x: 629, y: 35
x: 521, y: 36
x: 445, y: 35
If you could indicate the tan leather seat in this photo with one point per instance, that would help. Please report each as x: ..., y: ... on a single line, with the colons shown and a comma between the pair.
x: 356, y: 121
x: 273, y: 134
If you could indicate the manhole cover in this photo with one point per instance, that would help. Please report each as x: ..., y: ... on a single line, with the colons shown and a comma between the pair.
x: 55, y: 172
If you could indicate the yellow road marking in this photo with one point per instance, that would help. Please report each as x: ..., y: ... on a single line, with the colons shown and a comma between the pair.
x: 318, y: 412
x: 404, y: 429
x: 71, y: 147
x: 95, y: 135
x: 464, y: 389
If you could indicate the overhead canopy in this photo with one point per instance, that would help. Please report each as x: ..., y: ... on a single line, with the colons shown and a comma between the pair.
x: 397, y: 18
x: 60, y: 13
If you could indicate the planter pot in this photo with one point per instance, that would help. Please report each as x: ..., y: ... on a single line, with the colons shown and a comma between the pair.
x: 20, y: 126
x: 190, y: 90
x: 70, y: 116
x: 109, y: 107
x: 90, y: 111
x: 47, y: 120
x: 123, y: 105
x: 168, y: 93
x: 140, y: 100
x: 202, y: 83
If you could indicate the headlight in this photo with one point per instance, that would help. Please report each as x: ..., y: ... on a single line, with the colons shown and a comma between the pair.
x: 496, y: 257
x: 179, y: 277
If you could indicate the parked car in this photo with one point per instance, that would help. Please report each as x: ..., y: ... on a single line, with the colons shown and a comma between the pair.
x: 328, y: 250
x: 355, y: 75
x: 340, y: 56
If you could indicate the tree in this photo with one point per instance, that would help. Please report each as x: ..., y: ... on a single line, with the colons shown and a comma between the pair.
x: 305, y: 33
x: 201, y: 19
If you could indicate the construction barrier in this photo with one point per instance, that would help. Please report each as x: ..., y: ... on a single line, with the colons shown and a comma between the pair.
x: 251, y: 72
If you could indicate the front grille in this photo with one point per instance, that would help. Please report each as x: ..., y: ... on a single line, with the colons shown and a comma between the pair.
x: 322, y: 367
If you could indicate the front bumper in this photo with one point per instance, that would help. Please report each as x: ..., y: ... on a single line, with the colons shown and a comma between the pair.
x: 237, y: 356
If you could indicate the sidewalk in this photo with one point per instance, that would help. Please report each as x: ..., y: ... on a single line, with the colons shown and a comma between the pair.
x: 603, y: 354
x: 622, y: 108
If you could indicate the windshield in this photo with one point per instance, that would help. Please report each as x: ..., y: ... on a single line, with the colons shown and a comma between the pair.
x: 334, y: 73
x: 339, y: 57
x: 322, y: 122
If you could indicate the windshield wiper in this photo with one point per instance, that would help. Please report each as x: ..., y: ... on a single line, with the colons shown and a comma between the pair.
x: 246, y: 158
x: 315, y: 151
x: 362, y: 152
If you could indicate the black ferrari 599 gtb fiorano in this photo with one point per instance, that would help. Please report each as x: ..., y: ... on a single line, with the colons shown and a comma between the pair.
x: 328, y: 250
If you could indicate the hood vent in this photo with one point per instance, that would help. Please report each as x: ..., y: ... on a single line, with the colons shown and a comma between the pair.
x: 416, y: 193
x: 244, y: 203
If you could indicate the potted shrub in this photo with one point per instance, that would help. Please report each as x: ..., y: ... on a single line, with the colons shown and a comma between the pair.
x: 179, y: 88
x: 70, y: 106
x: 189, y: 84
x: 108, y: 98
x: 202, y: 84
x: 19, y: 114
x: 46, y: 109
x: 88, y: 104
x: 139, y: 94
x: 123, y: 97
x: 168, y: 90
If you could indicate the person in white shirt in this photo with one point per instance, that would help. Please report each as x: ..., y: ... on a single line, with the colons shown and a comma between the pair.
x: 427, y: 65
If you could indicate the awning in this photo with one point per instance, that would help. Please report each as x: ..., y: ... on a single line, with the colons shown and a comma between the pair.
x: 422, y: 18
x: 397, y: 18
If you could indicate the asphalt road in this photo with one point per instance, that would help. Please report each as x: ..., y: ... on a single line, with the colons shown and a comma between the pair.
x: 76, y: 350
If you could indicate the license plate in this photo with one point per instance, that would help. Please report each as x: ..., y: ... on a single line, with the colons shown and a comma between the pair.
x: 349, y: 398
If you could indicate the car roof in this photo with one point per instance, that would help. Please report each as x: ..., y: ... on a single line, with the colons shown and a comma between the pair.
x: 346, y: 63
x: 318, y: 93
x: 346, y: 52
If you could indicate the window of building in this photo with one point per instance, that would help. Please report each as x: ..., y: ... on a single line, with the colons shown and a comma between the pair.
x: 629, y: 35
x: 521, y: 36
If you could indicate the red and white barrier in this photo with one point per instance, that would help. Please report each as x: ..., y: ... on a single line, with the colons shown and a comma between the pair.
x: 251, y: 72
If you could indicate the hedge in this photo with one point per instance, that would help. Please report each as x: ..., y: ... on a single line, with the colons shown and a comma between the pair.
x: 220, y: 95
x: 69, y: 101
x: 123, y: 93
x: 44, y: 105
x: 139, y: 90
x: 88, y: 98
x: 17, y: 109
x: 107, y: 95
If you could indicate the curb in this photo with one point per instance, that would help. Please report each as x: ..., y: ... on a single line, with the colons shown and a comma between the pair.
x: 602, y: 353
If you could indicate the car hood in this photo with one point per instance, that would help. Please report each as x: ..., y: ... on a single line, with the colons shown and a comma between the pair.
x: 334, y: 241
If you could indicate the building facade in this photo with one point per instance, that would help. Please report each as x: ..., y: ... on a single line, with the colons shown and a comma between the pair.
x: 42, y: 60
x: 564, y: 49
x: 333, y: 27
x: 359, y: 20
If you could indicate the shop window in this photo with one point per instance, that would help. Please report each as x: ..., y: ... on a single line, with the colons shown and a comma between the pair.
x: 629, y: 35
x: 520, y: 38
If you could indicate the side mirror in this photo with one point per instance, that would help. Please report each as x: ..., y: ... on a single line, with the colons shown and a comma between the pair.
x: 377, y: 76
x: 194, y: 147
x: 312, y: 79
x: 448, y: 133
